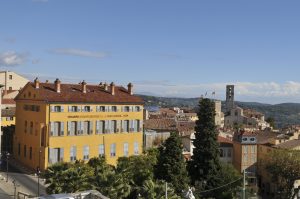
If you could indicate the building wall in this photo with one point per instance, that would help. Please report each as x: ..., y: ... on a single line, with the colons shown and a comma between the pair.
x: 7, y: 121
x: 42, y: 119
x: 12, y: 81
x: 226, y: 154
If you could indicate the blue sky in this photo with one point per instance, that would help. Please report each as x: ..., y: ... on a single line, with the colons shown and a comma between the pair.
x: 166, y: 48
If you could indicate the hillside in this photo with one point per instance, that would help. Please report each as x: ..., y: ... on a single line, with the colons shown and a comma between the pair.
x: 284, y: 114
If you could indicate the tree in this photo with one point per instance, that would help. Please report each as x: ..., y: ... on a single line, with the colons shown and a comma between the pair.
x: 171, y: 166
x: 205, y: 165
x: 283, y: 165
x: 271, y: 121
x: 68, y: 177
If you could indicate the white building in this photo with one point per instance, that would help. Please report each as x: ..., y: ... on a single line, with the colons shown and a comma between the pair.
x: 12, y: 80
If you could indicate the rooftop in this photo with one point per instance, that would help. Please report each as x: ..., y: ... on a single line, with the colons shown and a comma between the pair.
x: 291, y: 144
x: 73, y: 93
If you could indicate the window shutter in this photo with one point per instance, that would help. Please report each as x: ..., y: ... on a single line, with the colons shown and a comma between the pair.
x: 61, y: 154
x: 61, y: 108
x: 91, y: 127
x: 62, y: 128
x: 97, y: 126
x: 51, y: 108
x: 78, y: 127
x: 75, y: 152
x: 78, y: 108
x: 69, y: 108
x: 51, y: 128
x: 118, y: 126
x: 91, y: 108
x: 69, y: 127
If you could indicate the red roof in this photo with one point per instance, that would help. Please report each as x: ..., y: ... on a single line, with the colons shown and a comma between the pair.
x: 73, y: 93
x: 224, y: 140
x: 8, y: 101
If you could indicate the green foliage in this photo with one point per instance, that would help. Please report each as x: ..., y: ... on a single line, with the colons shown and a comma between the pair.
x: 205, y: 164
x: 283, y: 165
x: 171, y: 166
x: 271, y: 121
x: 76, y: 175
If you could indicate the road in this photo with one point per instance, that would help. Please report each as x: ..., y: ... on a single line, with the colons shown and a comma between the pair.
x: 26, y: 183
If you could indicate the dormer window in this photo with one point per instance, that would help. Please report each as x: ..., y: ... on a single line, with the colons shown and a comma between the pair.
x: 252, y: 139
x: 245, y: 139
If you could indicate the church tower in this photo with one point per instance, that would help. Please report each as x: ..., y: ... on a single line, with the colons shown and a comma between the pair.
x: 229, y: 97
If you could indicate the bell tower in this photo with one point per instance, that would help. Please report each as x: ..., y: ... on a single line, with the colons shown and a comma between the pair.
x: 229, y: 97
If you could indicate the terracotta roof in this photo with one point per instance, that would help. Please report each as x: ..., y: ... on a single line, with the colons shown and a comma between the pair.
x: 8, y: 92
x: 224, y: 140
x: 288, y: 144
x: 8, y: 101
x: 10, y: 112
x: 169, y: 124
x: 73, y: 93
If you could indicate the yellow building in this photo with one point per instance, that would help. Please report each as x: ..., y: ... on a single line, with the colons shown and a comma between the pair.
x: 8, y: 117
x: 67, y: 122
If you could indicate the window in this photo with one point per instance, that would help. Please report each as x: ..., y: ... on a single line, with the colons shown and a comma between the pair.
x: 56, y: 128
x: 136, y: 127
x: 25, y: 126
x: 137, y: 109
x: 113, y: 127
x: 87, y: 109
x: 86, y: 152
x: 113, y: 150
x: 245, y: 139
x: 72, y: 128
x: 100, y: 127
x: 221, y: 153
x: 126, y: 109
x: 114, y: 109
x: 30, y: 153
x: 253, y: 158
x: 10, y: 76
x: 87, y: 127
x: 55, y: 155
x: 229, y: 153
x: 73, y: 153
x: 136, y: 148
x: 125, y: 149
x: 101, y: 150
x: 57, y: 109
x: 31, y: 127
x: 74, y: 108
x: 10, y: 88
x: 101, y: 109
x: 126, y: 126
x: 25, y: 151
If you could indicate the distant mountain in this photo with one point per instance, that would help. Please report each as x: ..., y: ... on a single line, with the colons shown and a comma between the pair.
x: 283, y: 114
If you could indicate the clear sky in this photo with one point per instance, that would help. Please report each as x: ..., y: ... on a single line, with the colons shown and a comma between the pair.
x: 165, y: 47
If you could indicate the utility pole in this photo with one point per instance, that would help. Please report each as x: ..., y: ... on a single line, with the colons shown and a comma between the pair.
x: 244, y: 184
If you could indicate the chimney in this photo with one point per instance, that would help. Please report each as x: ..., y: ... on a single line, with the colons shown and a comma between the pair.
x: 57, y: 85
x: 112, y: 88
x: 83, y: 83
x: 130, y: 91
x: 36, y: 83
x: 101, y: 84
x: 105, y: 86
x: 47, y: 81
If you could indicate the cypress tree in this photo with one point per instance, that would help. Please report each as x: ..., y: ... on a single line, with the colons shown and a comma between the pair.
x: 205, y: 165
x: 171, y: 166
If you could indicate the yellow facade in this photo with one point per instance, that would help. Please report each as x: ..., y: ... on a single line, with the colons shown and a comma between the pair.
x: 7, y: 121
x: 34, y: 119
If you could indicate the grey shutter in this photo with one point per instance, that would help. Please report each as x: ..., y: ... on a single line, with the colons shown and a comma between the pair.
x: 69, y: 108
x: 69, y: 127
x: 97, y: 126
x: 51, y: 108
x: 78, y: 108
x: 82, y: 127
x: 91, y: 127
x: 61, y: 154
x: 50, y: 151
x: 78, y: 127
x: 118, y: 126
x: 51, y: 128
x: 91, y: 108
x: 62, y: 108
x: 75, y: 152
x: 106, y: 126
x: 62, y: 129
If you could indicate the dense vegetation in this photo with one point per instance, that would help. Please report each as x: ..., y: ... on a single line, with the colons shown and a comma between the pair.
x: 283, y: 114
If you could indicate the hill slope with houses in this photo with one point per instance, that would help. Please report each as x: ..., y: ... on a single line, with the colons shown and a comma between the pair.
x: 283, y: 114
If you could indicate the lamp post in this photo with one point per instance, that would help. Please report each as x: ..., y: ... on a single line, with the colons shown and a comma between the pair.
x: 7, y: 157
x: 38, y: 171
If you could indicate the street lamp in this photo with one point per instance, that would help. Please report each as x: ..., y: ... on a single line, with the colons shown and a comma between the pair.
x: 7, y: 157
x: 38, y: 171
